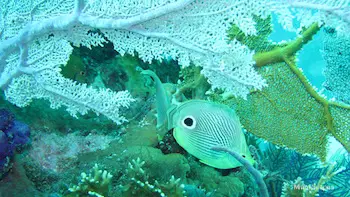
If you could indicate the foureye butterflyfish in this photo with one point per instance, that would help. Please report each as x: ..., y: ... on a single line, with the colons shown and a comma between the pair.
x: 200, y: 125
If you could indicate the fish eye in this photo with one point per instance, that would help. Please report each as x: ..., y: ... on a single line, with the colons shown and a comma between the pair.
x: 189, y: 122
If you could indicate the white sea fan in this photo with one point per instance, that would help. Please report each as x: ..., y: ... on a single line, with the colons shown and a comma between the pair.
x: 35, y: 39
x: 36, y: 36
x: 40, y: 78
x: 197, y: 34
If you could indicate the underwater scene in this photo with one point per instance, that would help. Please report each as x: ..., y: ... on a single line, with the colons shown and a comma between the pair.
x: 174, y: 98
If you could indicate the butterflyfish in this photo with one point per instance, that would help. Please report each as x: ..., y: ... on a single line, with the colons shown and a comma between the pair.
x: 200, y: 125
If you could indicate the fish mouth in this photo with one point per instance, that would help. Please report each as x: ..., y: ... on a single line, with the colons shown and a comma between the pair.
x: 177, y: 138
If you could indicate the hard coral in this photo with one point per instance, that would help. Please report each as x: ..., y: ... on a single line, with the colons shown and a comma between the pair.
x: 96, y: 184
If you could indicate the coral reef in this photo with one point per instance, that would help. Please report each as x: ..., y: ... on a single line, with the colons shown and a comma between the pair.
x: 139, y: 142
x: 193, y: 191
x: 52, y: 50
x: 299, y: 188
x: 40, y: 116
x: 26, y: 76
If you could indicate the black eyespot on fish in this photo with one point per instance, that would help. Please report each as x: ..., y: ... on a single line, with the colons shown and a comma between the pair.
x: 243, y: 156
x: 188, y: 121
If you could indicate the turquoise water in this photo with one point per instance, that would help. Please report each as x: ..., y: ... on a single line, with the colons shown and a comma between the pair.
x: 174, y: 98
x: 310, y: 57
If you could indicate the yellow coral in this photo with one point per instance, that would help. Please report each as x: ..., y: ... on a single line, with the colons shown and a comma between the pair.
x: 289, y: 114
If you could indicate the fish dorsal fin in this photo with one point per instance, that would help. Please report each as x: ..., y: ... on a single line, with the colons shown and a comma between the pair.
x: 170, y: 115
x: 162, y: 100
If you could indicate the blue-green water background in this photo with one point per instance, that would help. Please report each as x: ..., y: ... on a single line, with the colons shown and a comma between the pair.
x: 310, y: 57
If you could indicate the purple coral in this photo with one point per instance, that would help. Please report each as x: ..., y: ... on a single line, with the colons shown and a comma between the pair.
x: 6, y: 148
x: 6, y: 119
x: 13, y: 134
x: 19, y: 133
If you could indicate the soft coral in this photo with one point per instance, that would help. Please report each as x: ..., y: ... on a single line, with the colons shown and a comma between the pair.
x: 13, y: 134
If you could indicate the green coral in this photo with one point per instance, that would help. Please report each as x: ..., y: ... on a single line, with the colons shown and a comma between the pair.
x: 95, y: 184
x: 138, y: 182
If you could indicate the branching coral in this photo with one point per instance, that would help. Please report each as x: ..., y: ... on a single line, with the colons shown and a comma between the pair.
x: 36, y: 38
x: 95, y: 184
x: 137, y: 182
